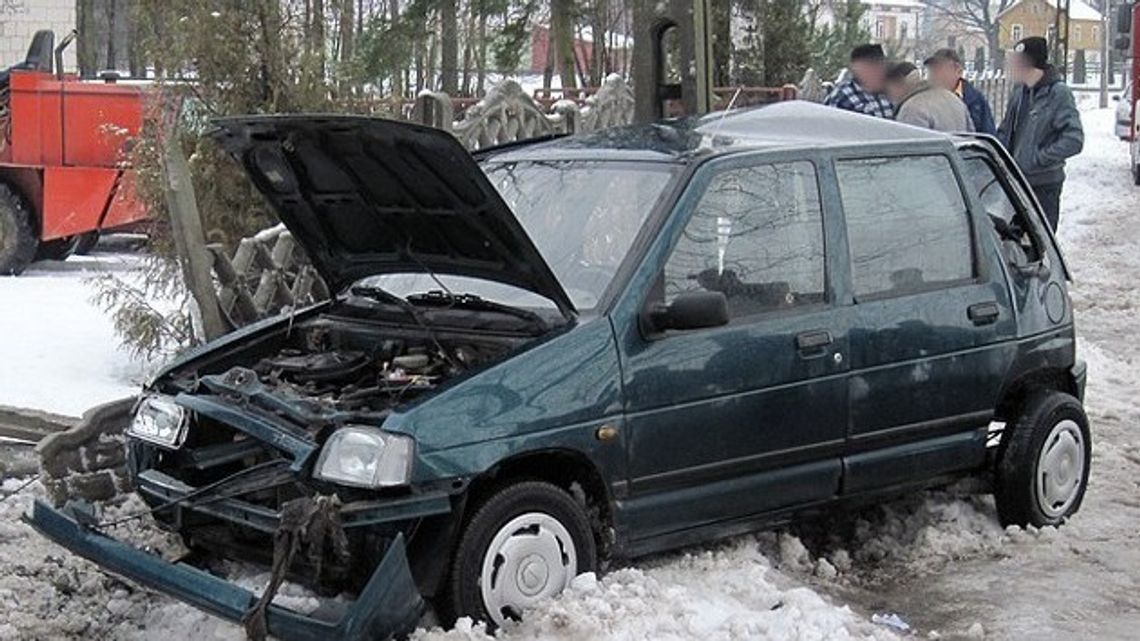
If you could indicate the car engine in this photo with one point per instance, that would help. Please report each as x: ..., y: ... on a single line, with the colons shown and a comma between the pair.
x: 350, y: 368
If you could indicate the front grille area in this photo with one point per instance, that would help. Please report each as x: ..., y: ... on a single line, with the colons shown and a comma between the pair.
x: 235, y: 487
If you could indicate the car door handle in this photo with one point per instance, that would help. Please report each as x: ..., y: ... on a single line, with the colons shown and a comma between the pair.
x: 813, y: 341
x: 983, y: 313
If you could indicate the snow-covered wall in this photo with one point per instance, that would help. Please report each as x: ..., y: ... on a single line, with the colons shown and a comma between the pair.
x: 19, y: 19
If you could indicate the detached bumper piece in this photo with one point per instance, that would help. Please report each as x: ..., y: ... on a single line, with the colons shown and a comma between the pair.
x: 389, y: 604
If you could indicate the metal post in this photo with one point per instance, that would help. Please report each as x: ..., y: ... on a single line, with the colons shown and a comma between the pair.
x: 702, y: 46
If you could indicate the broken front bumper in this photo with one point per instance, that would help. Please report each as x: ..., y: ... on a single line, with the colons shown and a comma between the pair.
x: 388, y: 605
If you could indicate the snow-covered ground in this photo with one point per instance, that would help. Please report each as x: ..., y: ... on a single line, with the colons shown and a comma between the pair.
x: 938, y: 560
x: 58, y: 351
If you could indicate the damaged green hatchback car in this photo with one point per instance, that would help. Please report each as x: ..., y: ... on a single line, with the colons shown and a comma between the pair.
x: 597, y: 347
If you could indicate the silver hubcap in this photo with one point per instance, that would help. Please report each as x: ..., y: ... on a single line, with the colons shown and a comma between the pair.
x: 530, y: 558
x: 1060, y: 468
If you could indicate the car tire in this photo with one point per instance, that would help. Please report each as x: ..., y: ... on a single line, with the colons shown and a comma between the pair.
x: 57, y: 249
x: 17, y: 236
x: 512, y: 539
x: 1043, y: 469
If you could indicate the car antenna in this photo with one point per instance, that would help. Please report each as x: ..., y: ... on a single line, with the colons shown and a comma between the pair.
x: 724, y: 114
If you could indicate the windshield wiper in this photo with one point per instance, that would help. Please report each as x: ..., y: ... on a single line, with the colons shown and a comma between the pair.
x: 437, y: 298
x: 384, y: 296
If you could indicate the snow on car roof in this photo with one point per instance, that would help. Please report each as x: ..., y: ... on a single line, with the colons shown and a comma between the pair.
x: 793, y: 123
x: 799, y: 123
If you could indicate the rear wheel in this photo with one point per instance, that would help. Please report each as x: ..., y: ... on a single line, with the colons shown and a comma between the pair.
x: 524, y: 544
x: 17, y: 236
x: 1044, y: 469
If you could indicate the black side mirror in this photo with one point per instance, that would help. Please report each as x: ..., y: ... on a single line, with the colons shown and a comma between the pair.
x: 691, y: 310
x: 1116, y: 98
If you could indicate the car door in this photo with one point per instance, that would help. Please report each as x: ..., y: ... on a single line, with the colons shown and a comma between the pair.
x: 732, y: 421
x: 931, y: 322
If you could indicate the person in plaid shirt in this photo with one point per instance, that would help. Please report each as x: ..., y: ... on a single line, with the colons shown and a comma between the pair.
x: 862, y: 92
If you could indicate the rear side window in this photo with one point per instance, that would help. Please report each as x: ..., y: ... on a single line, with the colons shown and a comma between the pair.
x: 907, y: 224
x: 757, y: 236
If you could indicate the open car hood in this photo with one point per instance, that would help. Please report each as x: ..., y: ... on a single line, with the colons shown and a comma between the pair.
x: 367, y: 196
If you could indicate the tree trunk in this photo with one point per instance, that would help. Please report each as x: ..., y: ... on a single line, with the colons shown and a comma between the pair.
x: 562, y: 41
x: 347, y: 31
x: 397, y: 79
x: 599, y: 26
x: 481, y: 81
x: 449, y: 47
x: 317, y: 34
x: 86, y: 53
x: 721, y: 18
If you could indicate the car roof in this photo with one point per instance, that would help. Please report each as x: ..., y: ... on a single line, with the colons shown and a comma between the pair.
x: 782, y: 125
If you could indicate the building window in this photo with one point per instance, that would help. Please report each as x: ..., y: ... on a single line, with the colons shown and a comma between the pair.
x: 1077, y: 33
x: 952, y: 42
x: 1095, y: 34
x: 902, y: 30
x: 878, y: 28
x: 1015, y: 32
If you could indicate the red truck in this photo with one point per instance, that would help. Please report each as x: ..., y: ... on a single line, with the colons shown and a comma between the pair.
x: 1128, y: 45
x: 63, y: 173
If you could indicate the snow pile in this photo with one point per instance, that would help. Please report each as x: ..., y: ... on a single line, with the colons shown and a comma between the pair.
x: 729, y: 591
x: 60, y: 351
x: 46, y: 593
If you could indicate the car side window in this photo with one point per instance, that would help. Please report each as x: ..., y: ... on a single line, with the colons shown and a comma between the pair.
x: 1014, y: 233
x: 907, y: 224
x: 756, y: 236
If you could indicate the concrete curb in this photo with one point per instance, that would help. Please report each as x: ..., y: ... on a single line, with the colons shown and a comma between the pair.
x: 32, y: 425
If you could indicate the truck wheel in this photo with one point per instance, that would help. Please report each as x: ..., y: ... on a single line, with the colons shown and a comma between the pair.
x: 1044, y: 469
x: 57, y: 249
x: 524, y: 544
x: 17, y: 237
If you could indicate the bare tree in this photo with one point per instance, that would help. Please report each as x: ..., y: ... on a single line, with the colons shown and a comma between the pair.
x: 976, y: 15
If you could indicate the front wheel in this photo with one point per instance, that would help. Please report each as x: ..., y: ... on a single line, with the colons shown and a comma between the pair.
x: 524, y: 544
x: 1044, y: 469
x: 17, y: 235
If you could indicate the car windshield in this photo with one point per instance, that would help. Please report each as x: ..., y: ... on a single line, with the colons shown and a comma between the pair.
x: 582, y: 215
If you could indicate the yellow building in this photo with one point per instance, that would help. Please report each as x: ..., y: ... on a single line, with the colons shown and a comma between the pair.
x: 1026, y: 18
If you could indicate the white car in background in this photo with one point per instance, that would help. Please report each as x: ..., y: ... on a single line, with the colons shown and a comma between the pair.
x: 1124, y: 112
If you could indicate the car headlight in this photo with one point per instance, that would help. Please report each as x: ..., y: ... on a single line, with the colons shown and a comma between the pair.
x: 366, y: 457
x: 159, y: 420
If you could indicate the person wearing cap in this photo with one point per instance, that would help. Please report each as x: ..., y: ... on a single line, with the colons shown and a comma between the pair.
x: 923, y: 104
x: 862, y: 92
x: 944, y: 68
x: 1041, y: 127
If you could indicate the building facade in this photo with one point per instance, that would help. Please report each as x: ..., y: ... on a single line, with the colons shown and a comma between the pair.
x: 19, y: 19
x: 1038, y: 18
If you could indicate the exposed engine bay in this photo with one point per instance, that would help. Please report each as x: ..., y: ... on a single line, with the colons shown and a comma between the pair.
x: 350, y: 365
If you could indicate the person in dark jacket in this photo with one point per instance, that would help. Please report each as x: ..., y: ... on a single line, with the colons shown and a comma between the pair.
x: 1041, y: 127
x: 862, y: 92
x: 944, y: 68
